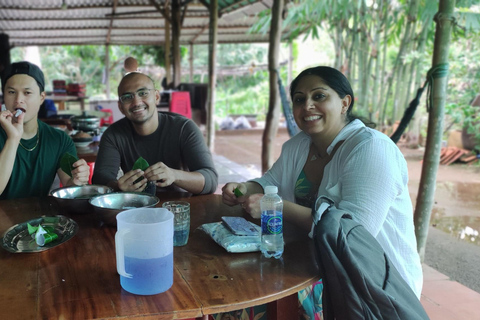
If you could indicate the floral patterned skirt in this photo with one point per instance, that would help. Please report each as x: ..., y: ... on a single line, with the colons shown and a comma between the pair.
x: 309, y: 302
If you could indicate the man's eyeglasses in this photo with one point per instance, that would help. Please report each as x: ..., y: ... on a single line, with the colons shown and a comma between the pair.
x: 128, y: 98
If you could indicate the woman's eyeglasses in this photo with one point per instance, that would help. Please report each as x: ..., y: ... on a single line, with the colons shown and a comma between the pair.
x: 128, y: 98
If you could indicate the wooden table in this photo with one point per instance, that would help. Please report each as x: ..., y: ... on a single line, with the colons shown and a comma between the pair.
x: 89, y: 153
x: 78, y: 279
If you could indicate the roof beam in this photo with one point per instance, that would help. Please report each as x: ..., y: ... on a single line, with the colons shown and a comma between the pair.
x: 162, y: 10
x: 114, y: 7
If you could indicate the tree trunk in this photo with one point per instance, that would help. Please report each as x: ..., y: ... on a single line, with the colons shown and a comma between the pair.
x: 383, y: 97
x: 412, y: 13
x: 212, y: 77
x: 273, y: 115
x: 374, y: 100
x: 426, y: 190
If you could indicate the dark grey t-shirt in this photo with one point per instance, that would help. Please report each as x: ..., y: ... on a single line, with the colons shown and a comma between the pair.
x: 177, y: 142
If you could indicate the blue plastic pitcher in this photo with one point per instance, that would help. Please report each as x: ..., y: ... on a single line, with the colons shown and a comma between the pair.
x: 144, y: 250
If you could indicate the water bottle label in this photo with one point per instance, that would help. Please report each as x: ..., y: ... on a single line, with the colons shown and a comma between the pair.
x: 272, y: 224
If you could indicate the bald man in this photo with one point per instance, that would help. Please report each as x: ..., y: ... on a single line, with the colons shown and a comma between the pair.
x: 173, y: 145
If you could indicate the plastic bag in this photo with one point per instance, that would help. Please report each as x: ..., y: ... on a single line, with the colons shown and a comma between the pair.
x: 232, y: 243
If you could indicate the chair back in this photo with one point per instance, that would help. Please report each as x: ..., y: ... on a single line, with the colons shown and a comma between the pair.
x: 180, y: 103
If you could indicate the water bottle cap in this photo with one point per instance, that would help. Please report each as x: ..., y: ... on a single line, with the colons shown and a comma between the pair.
x: 271, y: 189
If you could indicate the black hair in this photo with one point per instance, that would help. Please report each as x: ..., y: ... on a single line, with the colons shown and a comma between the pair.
x: 334, y: 79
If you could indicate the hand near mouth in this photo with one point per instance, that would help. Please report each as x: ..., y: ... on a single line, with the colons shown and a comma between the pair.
x: 13, y: 125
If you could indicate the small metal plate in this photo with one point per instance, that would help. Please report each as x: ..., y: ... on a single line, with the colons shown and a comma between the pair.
x: 16, y: 239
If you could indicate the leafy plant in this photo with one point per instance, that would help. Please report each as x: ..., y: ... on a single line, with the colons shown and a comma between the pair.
x: 465, y: 116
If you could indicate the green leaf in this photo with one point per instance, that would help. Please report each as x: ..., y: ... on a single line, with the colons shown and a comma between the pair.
x: 66, y: 163
x: 141, y: 164
x: 31, y: 229
x: 237, y: 192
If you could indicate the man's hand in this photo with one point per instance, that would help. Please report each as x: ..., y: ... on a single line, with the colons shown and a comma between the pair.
x: 81, y: 173
x: 127, y: 181
x: 161, y: 174
x: 12, y: 125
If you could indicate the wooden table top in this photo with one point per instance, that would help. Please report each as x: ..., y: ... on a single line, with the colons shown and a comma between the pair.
x: 78, y: 279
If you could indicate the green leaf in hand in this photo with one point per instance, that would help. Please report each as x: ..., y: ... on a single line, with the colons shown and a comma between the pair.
x: 237, y: 192
x: 141, y: 164
x: 66, y: 163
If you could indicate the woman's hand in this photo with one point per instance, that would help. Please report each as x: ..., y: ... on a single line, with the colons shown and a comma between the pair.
x: 228, y: 193
x: 251, y: 204
x: 12, y: 125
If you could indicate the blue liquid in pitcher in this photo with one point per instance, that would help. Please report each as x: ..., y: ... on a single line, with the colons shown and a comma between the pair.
x: 150, y: 276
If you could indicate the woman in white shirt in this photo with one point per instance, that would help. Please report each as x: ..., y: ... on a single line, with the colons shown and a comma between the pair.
x: 336, y: 156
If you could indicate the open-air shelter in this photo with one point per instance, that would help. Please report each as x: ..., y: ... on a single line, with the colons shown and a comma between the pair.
x: 111, y: 22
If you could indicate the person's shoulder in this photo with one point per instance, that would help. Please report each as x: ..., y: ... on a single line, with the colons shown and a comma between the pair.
x: 173, y: 120
x: 173, y: 117
x: 118, y: 125
x: 358, y: 132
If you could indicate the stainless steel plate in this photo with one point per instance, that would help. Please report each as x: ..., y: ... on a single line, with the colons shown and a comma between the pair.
x: 16, y: 239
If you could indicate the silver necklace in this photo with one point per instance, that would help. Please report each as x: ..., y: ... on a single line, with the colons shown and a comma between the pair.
x: 36, y: 144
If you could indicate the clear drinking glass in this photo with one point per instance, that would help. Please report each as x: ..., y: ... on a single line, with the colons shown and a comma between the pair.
x: 181, y: 224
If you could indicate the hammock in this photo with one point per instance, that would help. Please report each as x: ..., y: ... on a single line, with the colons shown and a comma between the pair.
x: 287, y: 110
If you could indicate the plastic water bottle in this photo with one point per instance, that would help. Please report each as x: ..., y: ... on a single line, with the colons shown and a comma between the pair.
x: 272, y: 223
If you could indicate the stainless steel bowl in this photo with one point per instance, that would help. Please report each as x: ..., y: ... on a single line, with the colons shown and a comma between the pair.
x: 74, y: 199
x: 107, y: 206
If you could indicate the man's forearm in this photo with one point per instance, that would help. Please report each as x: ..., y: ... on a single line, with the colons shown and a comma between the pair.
x: 193, y: 182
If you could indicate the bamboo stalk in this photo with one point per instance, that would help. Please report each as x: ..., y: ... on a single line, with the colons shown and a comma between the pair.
x: 426, y: 190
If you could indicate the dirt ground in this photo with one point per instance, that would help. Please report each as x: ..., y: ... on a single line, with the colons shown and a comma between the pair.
x: 455, y: 213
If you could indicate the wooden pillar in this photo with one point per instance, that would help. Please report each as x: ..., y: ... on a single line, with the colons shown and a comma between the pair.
x: 212, y: 77
x: 107, y: 71
x: 273, y: 115
x: 4, y: 52
x: 426, y: 190
x: 168, y: 47
x: 190, y: 60
x: 176, y: 29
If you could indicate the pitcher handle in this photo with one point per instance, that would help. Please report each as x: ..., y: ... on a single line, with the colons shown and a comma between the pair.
x: 120, y: 253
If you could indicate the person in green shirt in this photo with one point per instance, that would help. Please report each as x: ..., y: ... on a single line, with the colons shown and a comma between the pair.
x: 30, y: 150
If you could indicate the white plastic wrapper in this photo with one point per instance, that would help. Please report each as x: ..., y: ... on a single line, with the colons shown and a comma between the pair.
x: 232, y: 243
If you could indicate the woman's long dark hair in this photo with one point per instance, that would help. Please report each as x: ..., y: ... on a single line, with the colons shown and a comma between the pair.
x: 334, y: 79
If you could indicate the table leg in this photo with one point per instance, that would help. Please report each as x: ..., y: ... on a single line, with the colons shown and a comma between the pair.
x: 283, y: 309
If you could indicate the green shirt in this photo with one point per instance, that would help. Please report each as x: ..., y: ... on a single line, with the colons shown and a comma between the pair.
x: 34, y: 171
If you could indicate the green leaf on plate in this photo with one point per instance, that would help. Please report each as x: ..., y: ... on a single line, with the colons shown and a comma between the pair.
x: 66, y: 163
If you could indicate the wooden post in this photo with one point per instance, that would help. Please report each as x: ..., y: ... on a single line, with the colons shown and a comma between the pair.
x: 107, y: 71
x: 426, y: 190
x: 168, y: 49
x: 176, y: 29
x: 212, y: 77
x: 4, y: 52
x: 190, y: 60
x: 273, y: 115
